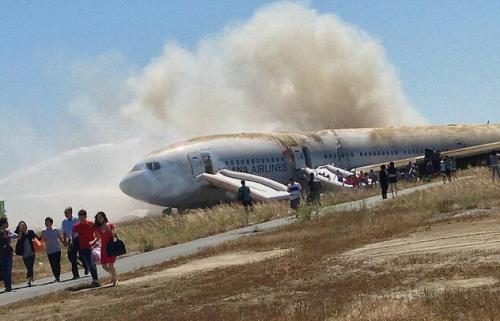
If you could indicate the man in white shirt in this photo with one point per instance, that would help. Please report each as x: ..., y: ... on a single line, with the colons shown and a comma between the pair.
x: 294, y: 189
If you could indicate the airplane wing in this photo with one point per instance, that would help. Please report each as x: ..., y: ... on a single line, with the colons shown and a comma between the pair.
x: 477, y: 150
x: 261, y: 188
x: 459, y: 154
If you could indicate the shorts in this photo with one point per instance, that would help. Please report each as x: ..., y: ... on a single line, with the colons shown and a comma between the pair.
x: 294, y: 204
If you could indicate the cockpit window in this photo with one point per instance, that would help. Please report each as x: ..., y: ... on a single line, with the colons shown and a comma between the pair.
x: 137, y: 167
x: 153, y: 166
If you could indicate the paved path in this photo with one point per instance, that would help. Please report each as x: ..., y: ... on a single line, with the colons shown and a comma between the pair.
x: 134, y: 262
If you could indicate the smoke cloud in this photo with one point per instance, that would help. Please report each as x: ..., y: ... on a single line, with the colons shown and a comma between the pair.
x: 286, y: 68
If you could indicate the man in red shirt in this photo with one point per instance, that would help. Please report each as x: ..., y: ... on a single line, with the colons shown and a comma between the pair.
x: 84, y: 230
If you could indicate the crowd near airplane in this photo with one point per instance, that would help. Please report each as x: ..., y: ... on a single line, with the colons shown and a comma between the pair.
x: 207, y: 170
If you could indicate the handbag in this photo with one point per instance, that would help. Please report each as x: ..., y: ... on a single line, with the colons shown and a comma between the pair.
x: 37, y: 245
x: 116, y: 247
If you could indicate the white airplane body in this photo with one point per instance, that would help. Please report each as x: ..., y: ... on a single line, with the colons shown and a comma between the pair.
x: 204, y: 171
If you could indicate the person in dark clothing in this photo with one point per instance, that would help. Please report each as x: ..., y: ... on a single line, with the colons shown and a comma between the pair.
x: 6, y: 254
x: 429, y: 170
x: 314, y: 189
x: 71, y: 242
x: 392, y: 173
x: 25, y: 248
x: 384, y: 181
x: 244, y: 196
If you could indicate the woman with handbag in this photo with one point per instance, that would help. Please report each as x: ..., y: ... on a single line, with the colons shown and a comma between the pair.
x: 105, y: 232
x: 26, y: 248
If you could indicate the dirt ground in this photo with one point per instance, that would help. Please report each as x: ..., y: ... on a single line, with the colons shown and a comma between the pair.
x: 470, y: 243
x: 410, y: 259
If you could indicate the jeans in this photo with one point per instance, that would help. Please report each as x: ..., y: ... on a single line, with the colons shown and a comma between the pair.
x: 384, y: 189
x: 55, y: 263
x: 6, y: 269
x: 86, y: 256
x: 29, y: 262
x: 73, y: 258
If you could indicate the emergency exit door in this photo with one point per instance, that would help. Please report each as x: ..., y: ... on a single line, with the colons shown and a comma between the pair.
x: 197, y: 165
x: 200, y: 163
x: 301, y: 157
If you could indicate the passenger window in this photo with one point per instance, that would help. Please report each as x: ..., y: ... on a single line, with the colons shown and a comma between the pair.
x: 227, y: 163
x: 267, y: 160
x: 232, y: 162
x: 252, y: 161
x: 257, y: 161
x: 361, y: 154
x: 248, y: 162
x: 272, y: 159
x: 237, y: 162
x: 352, y: 154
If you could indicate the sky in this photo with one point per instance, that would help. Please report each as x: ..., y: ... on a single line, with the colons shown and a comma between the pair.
x: 445, y: 54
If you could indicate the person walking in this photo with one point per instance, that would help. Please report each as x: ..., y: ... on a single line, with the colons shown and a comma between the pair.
x: 105, y: 233
x: 294, y: 188
x: 314, y: 189
x: 71, y: 243
x: 383, y: 181
x: 453, y: 168
x: 373, y: 177
x: 392, y: 174
x: 429, y: 170
x: 6, y: 254
x: 25, y: 248
x: 495, y: 170
x: 245, y: 197
x: 85, y: 231
x: 51, y: 237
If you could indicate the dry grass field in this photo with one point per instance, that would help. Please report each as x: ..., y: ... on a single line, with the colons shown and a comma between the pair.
x: 147, y: 234
x: 432, y: 255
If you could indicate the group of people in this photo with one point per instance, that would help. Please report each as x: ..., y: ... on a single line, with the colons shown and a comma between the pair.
x: 388, y: 178
x: 82, y: 238
x: 293, y: 188
x: 448, y: 169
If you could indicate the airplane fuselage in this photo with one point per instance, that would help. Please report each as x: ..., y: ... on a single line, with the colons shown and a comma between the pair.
x: 168, y: 177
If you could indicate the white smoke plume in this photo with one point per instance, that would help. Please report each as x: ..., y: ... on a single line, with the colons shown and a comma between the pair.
x: 287, y: 67
x: 86, y: 177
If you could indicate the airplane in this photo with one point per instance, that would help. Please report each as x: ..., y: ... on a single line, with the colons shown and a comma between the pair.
x: 206, y: 171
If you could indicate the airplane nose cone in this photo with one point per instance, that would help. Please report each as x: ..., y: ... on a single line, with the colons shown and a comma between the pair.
x: 135, y: 186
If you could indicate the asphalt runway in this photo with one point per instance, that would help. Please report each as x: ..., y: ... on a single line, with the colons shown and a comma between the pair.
x: 137, y: 261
